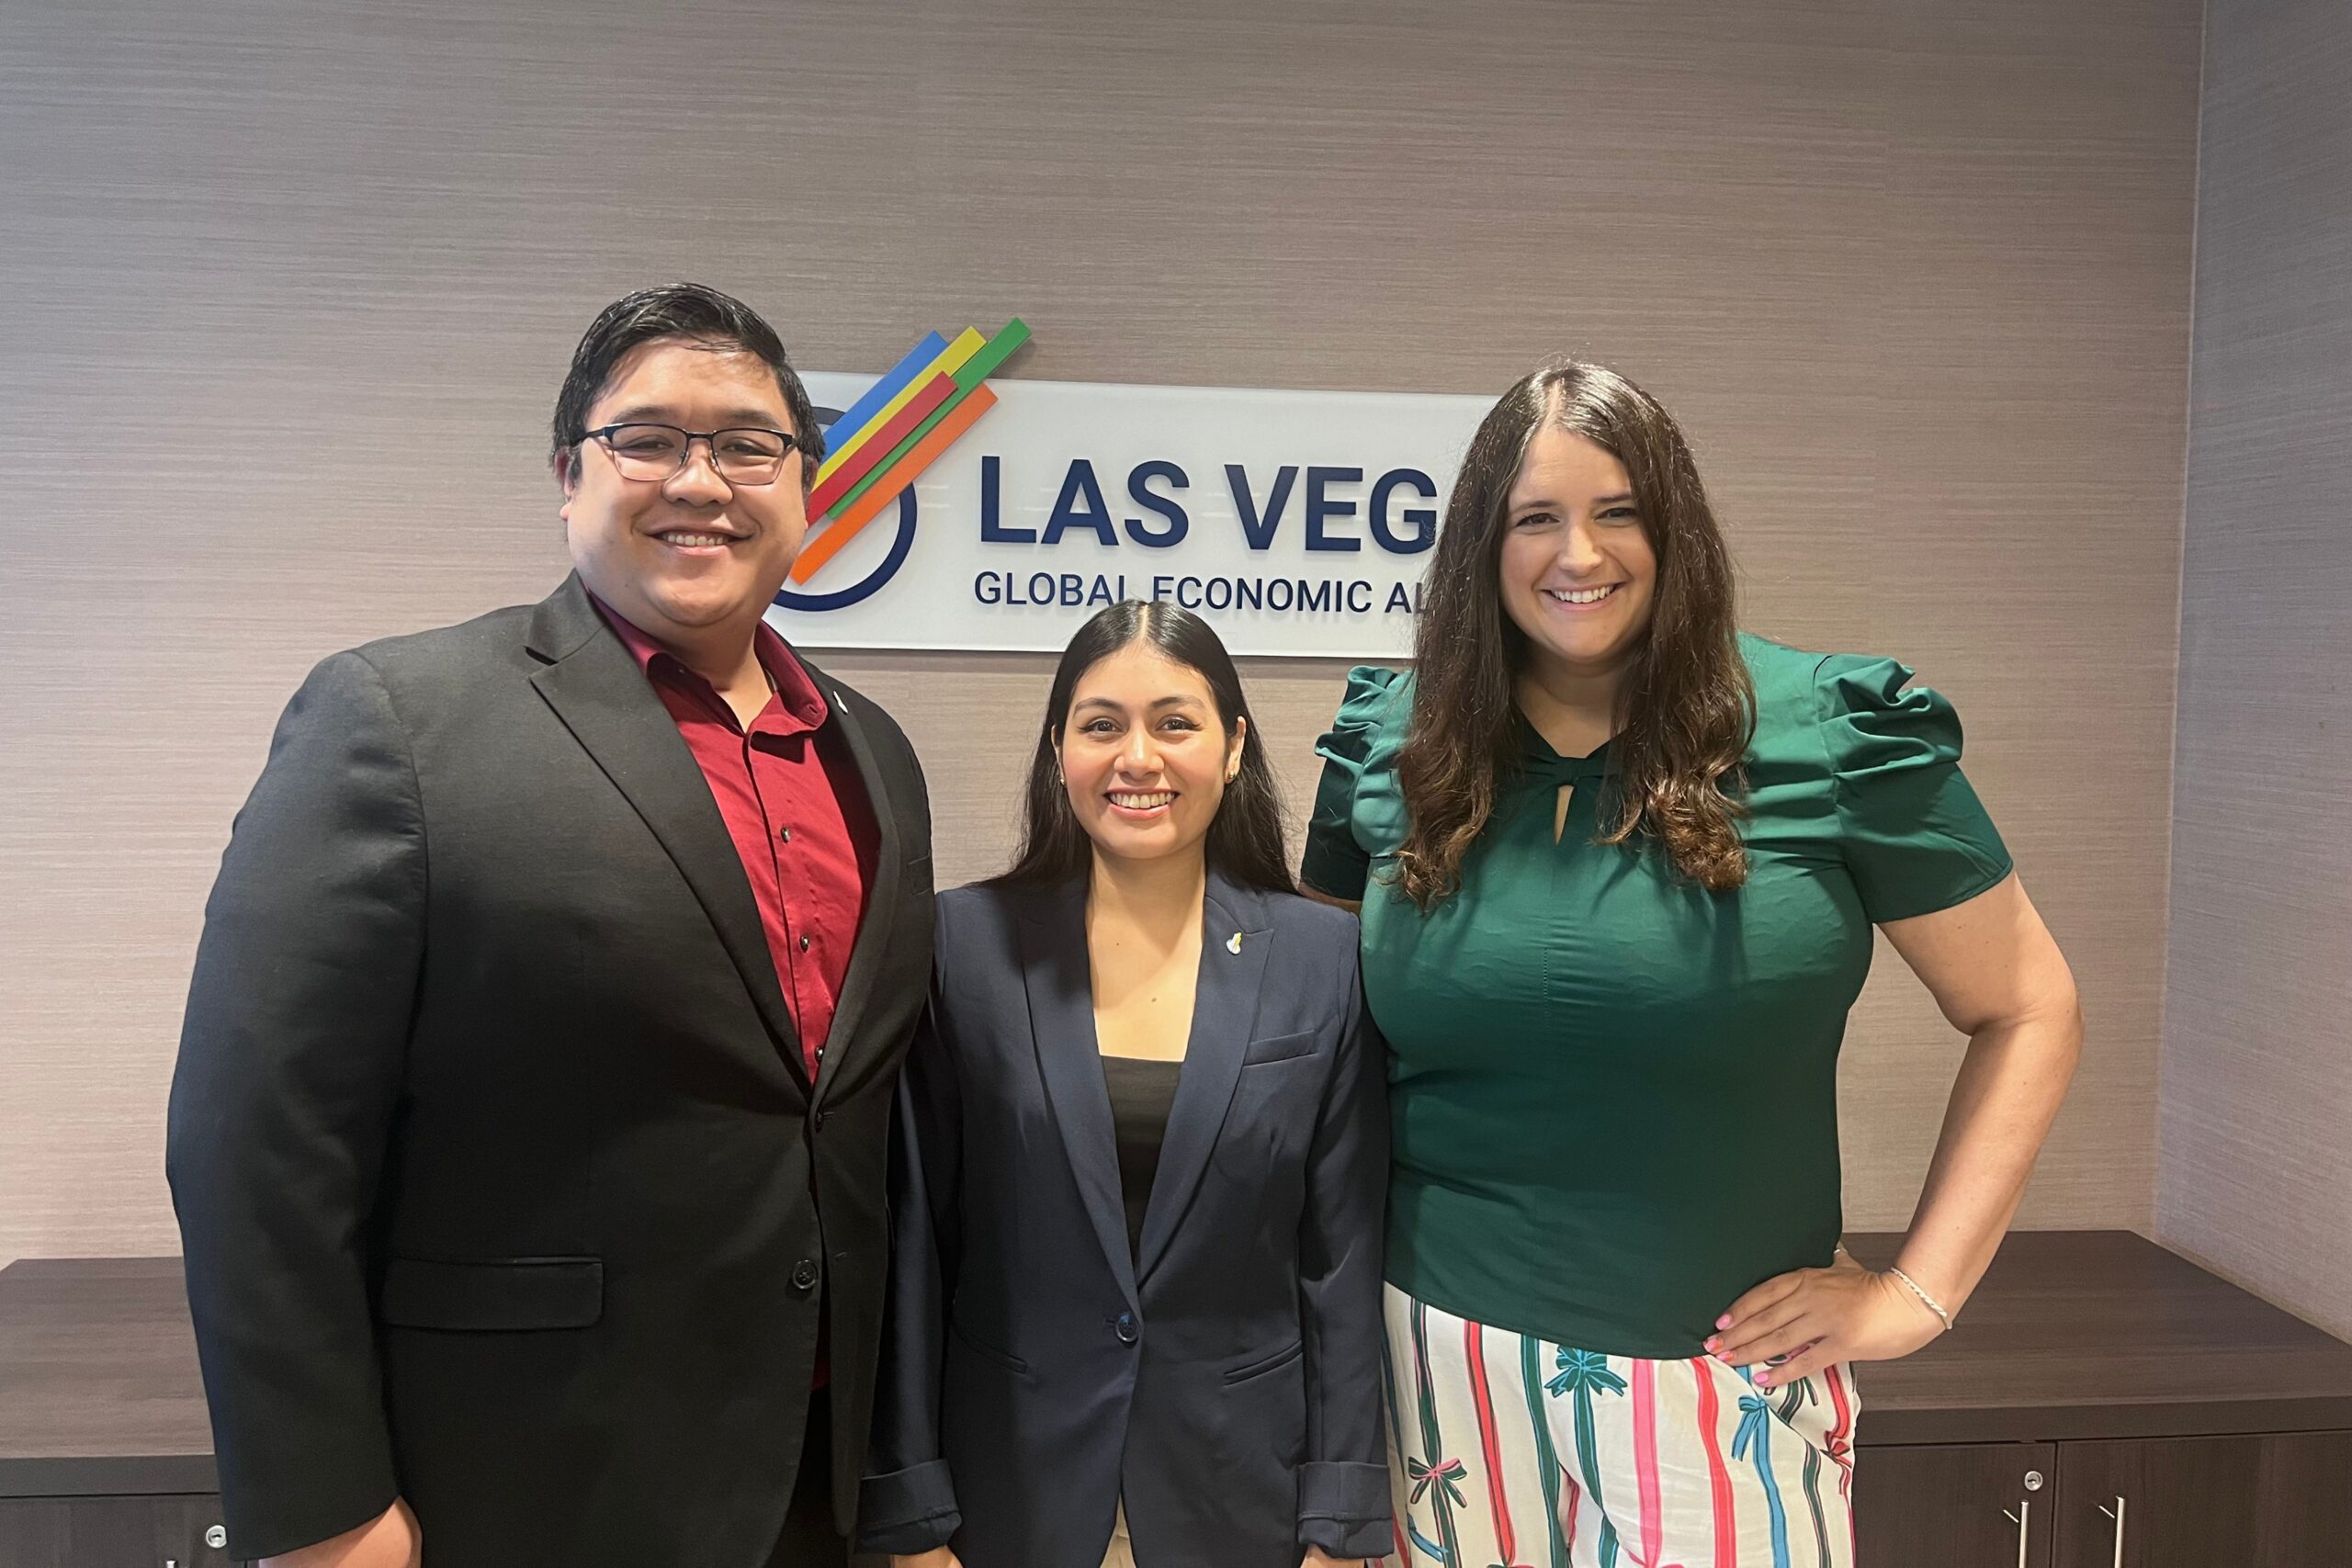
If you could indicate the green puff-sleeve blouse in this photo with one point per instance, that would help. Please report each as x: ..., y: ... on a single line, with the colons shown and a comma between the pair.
x: 1614, y: 1093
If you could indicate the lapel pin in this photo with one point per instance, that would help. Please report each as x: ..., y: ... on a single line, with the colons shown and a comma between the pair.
x: 1234, y: 943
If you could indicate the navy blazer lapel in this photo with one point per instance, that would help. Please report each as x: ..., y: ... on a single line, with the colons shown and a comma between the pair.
x: 881, y: 899
x: 1224, y: 1010
x: 1060, y: 983
x: 600, y: 696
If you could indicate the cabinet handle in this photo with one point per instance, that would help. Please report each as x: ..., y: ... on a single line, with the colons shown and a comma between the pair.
x: 2116, y: 1513
x: 2023, y: 1519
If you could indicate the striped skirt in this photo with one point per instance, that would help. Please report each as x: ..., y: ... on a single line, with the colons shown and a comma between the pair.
x: 1513, y: 1452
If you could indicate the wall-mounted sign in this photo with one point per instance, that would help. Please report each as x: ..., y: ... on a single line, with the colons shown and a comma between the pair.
x: 953, y: 513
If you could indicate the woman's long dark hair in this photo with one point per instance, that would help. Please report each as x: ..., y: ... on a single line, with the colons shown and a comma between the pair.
x: 1245, y: 840
x: 1686, y: 709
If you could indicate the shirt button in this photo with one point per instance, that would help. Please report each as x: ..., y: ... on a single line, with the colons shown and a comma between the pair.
x: 804, y: 945
x: 785, y: 834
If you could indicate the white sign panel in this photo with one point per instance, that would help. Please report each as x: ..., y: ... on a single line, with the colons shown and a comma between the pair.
x: 1295, y: 523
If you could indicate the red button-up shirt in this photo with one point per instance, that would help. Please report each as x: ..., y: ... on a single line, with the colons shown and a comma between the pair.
x: 796, y: 810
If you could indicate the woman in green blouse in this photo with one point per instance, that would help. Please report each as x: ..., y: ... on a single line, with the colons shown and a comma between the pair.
x: 1618, y: 866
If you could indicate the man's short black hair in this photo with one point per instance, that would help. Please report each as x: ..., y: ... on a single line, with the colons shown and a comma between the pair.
x: 699, y: 314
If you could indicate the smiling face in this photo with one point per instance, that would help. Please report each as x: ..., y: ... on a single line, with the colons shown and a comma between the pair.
x: 1144, y: 755
x: 1577, y: 571
x: 693, y: 559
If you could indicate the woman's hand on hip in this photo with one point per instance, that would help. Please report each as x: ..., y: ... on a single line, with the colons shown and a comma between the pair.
x: 1318, y: 1558
x: 1799, y: 1323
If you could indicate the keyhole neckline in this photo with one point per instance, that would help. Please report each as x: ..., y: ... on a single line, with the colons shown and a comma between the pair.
x: 1545, y: 765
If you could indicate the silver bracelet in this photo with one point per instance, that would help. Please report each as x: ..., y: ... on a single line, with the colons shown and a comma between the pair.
x: 1925, y: 1300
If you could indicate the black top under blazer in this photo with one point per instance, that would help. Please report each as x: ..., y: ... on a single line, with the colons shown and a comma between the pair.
x: 497, y: 1167
x: 1226, y: 1379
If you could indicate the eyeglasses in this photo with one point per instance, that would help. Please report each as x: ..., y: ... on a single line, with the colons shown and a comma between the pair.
x: 744, y: 456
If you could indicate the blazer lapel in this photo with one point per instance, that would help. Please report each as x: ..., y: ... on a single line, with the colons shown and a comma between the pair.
x: 881, y: 899
x: 603, y: 698
x: 1224, y: 1010
x: 1060, y: 984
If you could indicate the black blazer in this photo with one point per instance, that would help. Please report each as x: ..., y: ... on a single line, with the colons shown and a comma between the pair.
x: 491, y: 1142
x: 1228, y: 1381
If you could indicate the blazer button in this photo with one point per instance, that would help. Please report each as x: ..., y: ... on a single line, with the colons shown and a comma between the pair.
x: 804, y: 1275
x: 1124, y: 1327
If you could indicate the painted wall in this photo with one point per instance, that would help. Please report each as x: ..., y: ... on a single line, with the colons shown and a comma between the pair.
x: 2256, y: 1174
x: 286, y: 290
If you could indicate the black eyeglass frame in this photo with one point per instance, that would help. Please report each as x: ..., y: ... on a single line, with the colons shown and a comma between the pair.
x: 603, y: 436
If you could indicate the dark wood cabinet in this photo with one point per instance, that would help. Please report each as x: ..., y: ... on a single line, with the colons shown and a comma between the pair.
x: 2279, y: 1501
x: 2089, y: 1366
x: 1964, y: 1503
x: 2110, y: 1369
x: 118, y: 1532
x: 105, y: 1455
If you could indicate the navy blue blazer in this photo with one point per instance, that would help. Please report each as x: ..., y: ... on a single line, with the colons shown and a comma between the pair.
x: 1226, y: 1378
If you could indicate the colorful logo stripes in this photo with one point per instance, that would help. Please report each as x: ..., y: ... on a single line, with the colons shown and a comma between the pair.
x: 885, y: 441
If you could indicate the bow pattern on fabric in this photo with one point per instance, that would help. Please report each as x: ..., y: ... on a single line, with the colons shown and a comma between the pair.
x: 1756, y: 1432
x: 1446, y: 1473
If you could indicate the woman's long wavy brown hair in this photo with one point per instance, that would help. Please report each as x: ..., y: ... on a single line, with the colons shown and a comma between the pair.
x: 1686, y: 710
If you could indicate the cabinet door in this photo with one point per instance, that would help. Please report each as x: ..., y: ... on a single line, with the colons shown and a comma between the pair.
x: 110, y: 1532
x: 2271, y: 1502
x: 1963, y: 1505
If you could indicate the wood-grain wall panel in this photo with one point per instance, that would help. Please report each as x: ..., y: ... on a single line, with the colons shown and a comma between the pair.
x: 2256, y: 1177
x: 1916, y: 277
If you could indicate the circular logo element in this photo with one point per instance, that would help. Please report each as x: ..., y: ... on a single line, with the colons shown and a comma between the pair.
x: 843, y: 598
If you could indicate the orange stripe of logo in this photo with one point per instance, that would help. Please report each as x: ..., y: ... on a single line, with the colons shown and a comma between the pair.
x: 843, y: 529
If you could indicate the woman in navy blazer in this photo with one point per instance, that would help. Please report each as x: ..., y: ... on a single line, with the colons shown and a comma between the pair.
x: 1090, y: 1359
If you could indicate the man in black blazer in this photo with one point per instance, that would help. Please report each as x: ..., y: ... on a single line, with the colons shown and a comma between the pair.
x: 529, y: 1131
